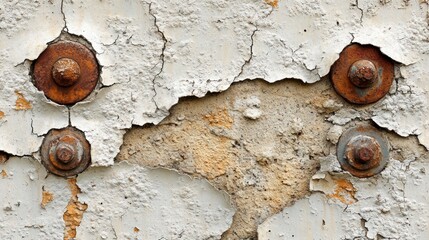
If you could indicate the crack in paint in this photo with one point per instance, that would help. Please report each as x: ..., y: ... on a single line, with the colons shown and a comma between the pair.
x: 162, y: 56
x: 65, y: 28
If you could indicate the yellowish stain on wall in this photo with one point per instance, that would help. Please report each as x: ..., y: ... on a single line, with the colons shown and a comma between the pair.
x: 273, y: 3
x: 344, y: 191
x: 47, y: 197
x: 3, y: 173
x: 219, y: 118
x: 74, y: 211
x: 21, y: 103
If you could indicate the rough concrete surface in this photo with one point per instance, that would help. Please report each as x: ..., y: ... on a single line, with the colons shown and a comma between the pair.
x: 235, y: 93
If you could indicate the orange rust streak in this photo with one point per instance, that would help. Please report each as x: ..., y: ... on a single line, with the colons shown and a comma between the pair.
x: 3, y: 173
x: 47, y: 197
x: 21, y: 103
x: 272, y: 3
x: 344, y: 192
x: 1, y: 114
x: 74, y: 211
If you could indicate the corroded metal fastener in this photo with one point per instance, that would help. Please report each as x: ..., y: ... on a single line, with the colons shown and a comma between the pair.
x: 362, y: 74
x: 67, y: 72
x: 65, y: 152
x: 363, y: 151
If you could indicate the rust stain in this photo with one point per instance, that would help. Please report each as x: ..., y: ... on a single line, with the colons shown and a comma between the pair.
x: 272, y: 3
x: 47, y: 197
x: 74, y: 211
x: 344, y: 191
x: 1, y: 114
x: 21, y: 103
x: 3, y: 157
x: 219, y: 118
x: 3, y: 173
x: 136, y: 229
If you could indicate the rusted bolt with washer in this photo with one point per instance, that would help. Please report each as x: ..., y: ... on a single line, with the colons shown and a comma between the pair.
x: 67, y: 72
x: 65, y: 152
x: 362, y: 74
x: 363, y: 151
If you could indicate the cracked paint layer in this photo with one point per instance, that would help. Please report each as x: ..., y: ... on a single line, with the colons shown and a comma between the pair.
x: 262, y: 144
x: 21, y: 21
x: 153, y: 53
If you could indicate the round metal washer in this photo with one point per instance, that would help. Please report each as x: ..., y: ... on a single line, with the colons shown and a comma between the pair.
x: 66, y: 95
x: 55, y: 137
x: 362, y: 131
x: 345, y: 87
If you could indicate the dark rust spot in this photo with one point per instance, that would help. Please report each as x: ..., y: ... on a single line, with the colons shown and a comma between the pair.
x: 362, y: 74
x: 67, y: 72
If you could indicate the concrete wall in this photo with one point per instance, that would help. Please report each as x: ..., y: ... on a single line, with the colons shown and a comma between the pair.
x: 215, y: 119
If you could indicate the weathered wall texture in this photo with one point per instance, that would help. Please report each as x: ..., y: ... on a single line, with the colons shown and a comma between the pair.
x: 214, y: 119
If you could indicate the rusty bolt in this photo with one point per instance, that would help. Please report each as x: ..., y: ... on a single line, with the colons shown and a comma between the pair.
x: 362, y: 151
x: 67, y: 72
x: 65, y: 152
x: 362, y: 74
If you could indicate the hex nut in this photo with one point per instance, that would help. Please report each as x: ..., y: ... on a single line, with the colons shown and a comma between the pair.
x: 362, y: 151
x: 362, y: 74
x: 65, y: 152
x: 67, y: 72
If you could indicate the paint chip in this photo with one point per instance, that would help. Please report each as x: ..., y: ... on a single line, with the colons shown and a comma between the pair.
x: 344, y: 191
x: 74, y: 211
x: 21, y: 103
x: 272, y: 3
x: 47, y: 197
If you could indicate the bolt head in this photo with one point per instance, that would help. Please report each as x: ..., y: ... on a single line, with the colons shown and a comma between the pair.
x: 65, y: 153
x: 363, y: 152
x: 363, y: 73
x: 66, y: 72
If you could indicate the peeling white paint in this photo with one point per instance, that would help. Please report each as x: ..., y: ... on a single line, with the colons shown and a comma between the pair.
x: 21, y: 213
x: 160, y: 203
x: 392, y: 205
